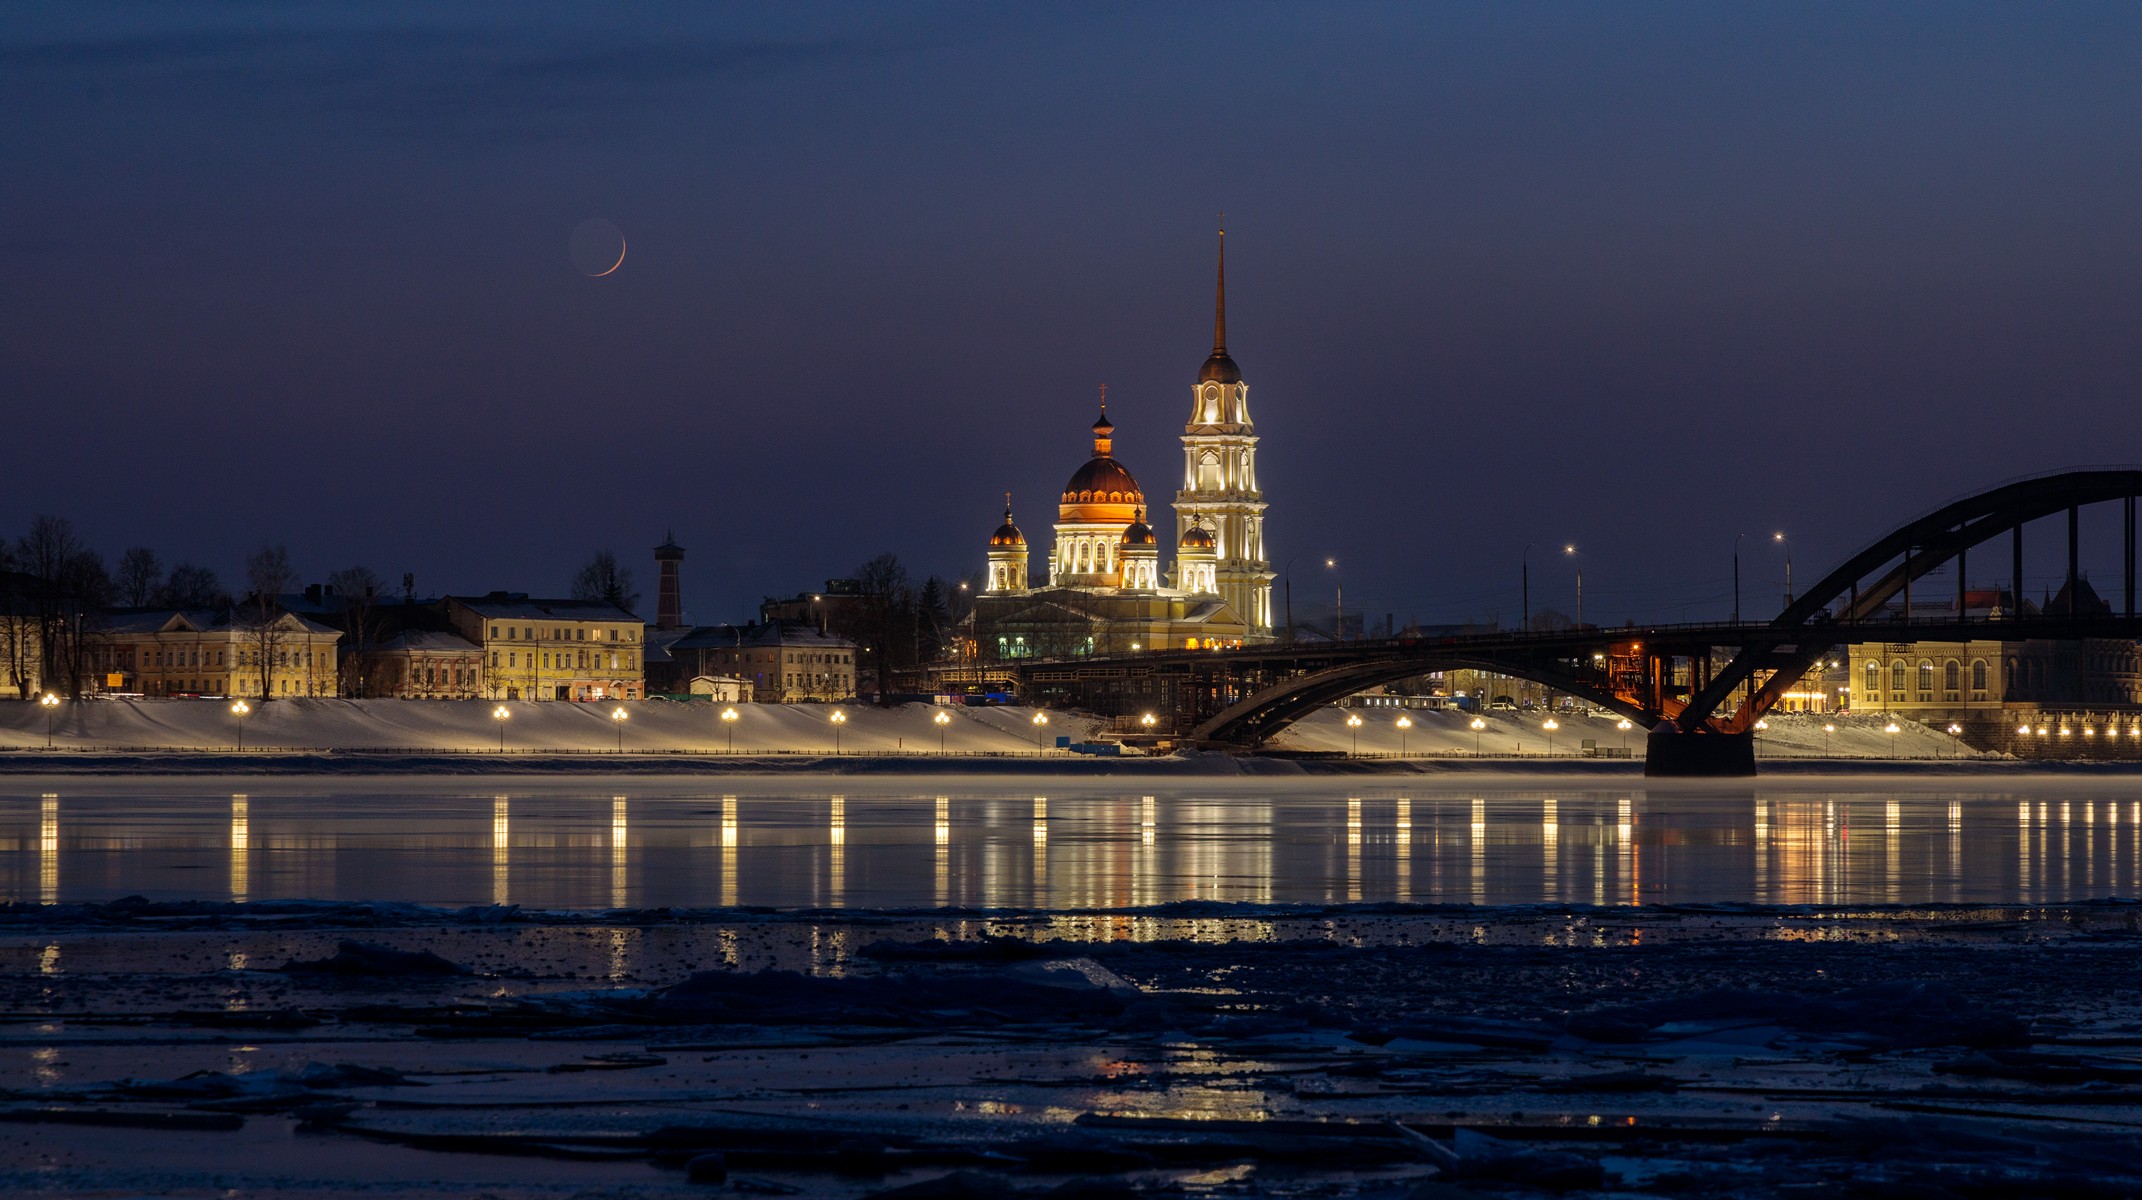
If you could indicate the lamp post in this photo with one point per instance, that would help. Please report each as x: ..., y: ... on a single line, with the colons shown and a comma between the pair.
x: 839, y: 719
x: 1786, y: 546
x: 1550, y: 725
x: 48, y: 702
x: 239, y: 709
x: 1760, y: 726
x: 1149, y: 720
x: 1404, y: 723
x: 942, y: 719
x: 728, y: 720
x: 500, y: 714
x: 1353, y: 722
x: 1041, y: 722
x: 1478, y: 725
x: 1571, y: 551
x: 1624, y: 725
x: 1956, y: 730
x: 1736, y: 576
x: 617, y: 718
x: 1892, y: 729
x: 1524, y: 589
x: 1827, y: 730
x: 1338, y: 601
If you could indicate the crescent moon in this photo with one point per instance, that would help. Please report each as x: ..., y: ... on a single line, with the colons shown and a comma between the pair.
x: 620, y: 259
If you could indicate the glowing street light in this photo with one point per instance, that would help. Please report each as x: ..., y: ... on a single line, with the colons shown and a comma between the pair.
x: 1955, y: 730
x: 942, y: 719
x: 1550, y: 725
x: 617, y: 718
x: 839, y: 719
x: 500, y: 714
x: 1353, y: 722
x: 728, y: 719
x: 1041, y: 722
x: 1892, y: 729
x: 1149, y: 720
x: 239, y: 709
x: 1404, y: 723
x: 1624, y: 725
x: 1827, y: 730
x: 48, y: 702
x: 1760, y: 726
x: 1478, y: 725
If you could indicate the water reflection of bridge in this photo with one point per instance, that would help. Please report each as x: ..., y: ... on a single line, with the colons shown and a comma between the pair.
x: 1089, y: 852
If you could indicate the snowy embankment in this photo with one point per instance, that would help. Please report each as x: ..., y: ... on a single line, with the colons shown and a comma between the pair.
x: 440, y: 726
x: 1450, y: 734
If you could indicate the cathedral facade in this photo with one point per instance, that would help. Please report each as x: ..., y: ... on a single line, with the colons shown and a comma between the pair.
x: 1107, y: 591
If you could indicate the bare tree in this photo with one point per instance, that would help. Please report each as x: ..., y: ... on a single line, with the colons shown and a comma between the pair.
x: 18, y: 625
x: 190, y: 586
x: 141, y: 577
x: 882, y: 622
x: 602, y: 579
x: 358, y: 591
x: 269, y: 574
x: 46, y: 554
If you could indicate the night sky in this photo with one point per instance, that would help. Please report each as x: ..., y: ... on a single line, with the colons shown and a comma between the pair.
x: 1634, y: 277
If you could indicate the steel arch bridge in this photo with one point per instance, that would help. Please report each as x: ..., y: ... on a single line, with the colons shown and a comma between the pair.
x: 1708, y: 683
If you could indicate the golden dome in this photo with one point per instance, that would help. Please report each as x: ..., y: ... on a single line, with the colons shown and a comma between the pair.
x: 1102, y: 480
x: 1197, y: 537
x: 1007, y: 534
x: 1138, y: 533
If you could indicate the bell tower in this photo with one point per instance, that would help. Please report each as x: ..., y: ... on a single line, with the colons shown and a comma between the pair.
x: 1219, y: 489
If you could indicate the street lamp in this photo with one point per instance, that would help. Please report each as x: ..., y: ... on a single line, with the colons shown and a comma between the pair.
x: 728, y: 719
x: 1827, y: 730
x: 1404, y: 723
x: 1478, y: 725
x: 839, y: 719
x: 1353, y: 722
x: 1779, y: 538
x: 1956, y: 730
x: 1624, y: 725
x: 239, y: 709
x: 942, y: 719
x: 1524, y: 589
x: 617, y: 718
x: 500, y: 714
x: 48, y: 702
x: 1041, y: 722
x: 1550, y: 725
x: 1149, y: 720
x: 1760, y: 726
x: 1338, y: 600
x: 1892, y: 729
x: 1736, y: 576
x: 1571, y: 551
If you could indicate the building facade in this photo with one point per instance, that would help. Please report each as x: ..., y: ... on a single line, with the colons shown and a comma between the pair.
x: 535, y: 649
x: 208, y: 653
x: 1220, y: 492
x: 778, y: 662
x: 418, y: 664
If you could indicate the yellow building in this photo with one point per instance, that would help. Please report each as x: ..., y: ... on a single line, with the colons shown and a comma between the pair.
x: 207, y: 653
x: 778, y: 662
x: 553, y: 649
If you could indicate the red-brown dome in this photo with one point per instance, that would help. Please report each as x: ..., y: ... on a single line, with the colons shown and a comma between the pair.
x: 1198, y: 537
x: 1102, y: 480
x: 1007, y: 534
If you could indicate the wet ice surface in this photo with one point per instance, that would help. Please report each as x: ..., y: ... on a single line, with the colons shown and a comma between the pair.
x: 1198, y: 1012
x: 1067, y: 843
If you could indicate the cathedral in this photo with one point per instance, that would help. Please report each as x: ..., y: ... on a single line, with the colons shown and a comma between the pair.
x: 1107, y: 592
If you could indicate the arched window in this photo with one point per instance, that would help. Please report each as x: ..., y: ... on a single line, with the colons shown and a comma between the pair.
x: 1874, y: 680
x: 1978, y: 675
x: 1951, y: 675
x: 1926, y: 676
x: 1896, y: 675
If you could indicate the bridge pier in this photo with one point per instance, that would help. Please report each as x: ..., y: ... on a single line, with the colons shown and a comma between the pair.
x: 1713, y: 755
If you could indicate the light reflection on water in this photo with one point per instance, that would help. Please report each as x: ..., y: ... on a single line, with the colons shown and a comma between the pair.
x: 662, y: 843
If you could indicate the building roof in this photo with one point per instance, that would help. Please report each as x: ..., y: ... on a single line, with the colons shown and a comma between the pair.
x: 428, y: 641
x: 519, y: 606
x: 762, y: 635
x: 199, y: 620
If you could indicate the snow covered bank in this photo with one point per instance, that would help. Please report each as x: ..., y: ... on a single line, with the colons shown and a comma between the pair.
x: 1524, y: 735
x: 416, y: 726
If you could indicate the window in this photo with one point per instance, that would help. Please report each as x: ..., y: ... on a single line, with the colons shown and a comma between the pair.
x: 1926, y: 676
x: 1896, y: 675
x: 511, y: 632
x: 1951, y: 675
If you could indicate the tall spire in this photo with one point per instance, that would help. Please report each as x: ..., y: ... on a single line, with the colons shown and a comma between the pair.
x: 1219, y: 307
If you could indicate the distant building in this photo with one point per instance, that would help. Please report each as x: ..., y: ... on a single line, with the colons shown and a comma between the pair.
x: 825, y: 609
x: 2000, y: 682
x: 783, y: 661
x: 535, y: 649
x: 208, y: 652
x: 418, y: 664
